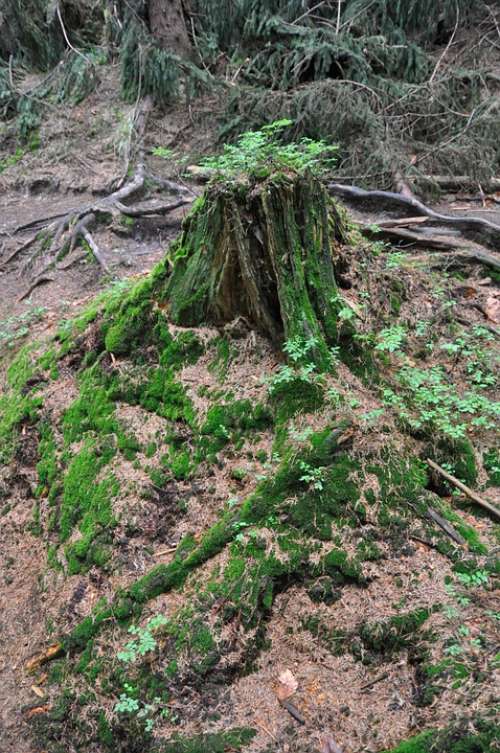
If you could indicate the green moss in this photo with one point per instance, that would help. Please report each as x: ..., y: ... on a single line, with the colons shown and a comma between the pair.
x: 471, y: 736
x: 157, y: 391
x: 457, y: 456
x: 47, y: 467
x: 92, y: 411
x: 229, y: 422
x: 87, y: 503
x: 315, y: 511
x: 491, y: 462
x: 394, y: 633
x: 294, y: 396
x: 15, y: 409
x: 220, y: 742
x: 21, y: 368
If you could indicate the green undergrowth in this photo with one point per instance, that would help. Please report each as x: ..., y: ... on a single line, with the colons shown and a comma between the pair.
x: 300, y: 509
x: 471, y: 736
x: 371, y: 641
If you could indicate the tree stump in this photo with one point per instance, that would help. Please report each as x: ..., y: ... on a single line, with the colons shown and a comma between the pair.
x: 263, y: 250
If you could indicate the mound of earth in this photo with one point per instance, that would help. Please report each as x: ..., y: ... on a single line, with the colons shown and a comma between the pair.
x: 220, y: 531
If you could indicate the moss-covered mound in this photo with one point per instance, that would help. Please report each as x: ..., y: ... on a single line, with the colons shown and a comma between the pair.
x: 209, y: 475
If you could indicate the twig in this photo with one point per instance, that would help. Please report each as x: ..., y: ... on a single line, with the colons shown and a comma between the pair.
x: 308, y: 12
x: 59, y: 16
x: 166, y: 551
x: 445, y: 51
x: 465, y: 489
x: 95, y: 250
x: 267, y: 731
x: 330, y: 746
x: 339, y: 6
x: 293, y: 711
x: 374, y: 682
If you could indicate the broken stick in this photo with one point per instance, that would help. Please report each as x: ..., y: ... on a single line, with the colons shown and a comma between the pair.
x: 465, y: 489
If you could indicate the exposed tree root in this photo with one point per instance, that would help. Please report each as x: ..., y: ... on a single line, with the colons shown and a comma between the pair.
x: 475, y: 228
x: 57, y: 235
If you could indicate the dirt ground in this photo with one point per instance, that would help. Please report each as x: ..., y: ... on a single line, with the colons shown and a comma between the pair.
x: 366, y: 709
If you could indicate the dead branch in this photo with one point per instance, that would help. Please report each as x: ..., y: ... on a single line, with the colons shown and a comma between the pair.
x: 330, y: 746
x: 465, y: 489
x: 406, y: 237
x: 477, y: 228
x: 138, y: 211
x: 293, y: 711
x: 53, y: 652
x: 445, y: 526
x: 95, y: 250
x: 374, y: 682
x: 403, y: 222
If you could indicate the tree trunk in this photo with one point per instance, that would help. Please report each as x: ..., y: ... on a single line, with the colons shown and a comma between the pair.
x: 167, y: 22
x: 266, y: 252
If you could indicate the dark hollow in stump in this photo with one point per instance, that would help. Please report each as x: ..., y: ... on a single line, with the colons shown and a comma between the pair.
x: 264, y: 250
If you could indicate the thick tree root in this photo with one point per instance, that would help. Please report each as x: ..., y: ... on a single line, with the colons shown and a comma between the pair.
x: 475, y: 228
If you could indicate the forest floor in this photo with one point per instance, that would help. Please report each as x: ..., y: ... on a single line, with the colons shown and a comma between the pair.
x: 366, y: 706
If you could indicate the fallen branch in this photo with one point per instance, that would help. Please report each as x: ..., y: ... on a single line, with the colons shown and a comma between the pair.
x: 445, y: 526
x: 474, y: 227
x: 293, y: 711
x: 397, y: 235
x: 374, y: 682
x: 402, y: 222
x: 95, y: 250
x: 465, y: 489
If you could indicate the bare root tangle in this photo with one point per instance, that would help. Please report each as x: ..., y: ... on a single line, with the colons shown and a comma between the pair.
x: 475, y: 228
x: 57, y: 235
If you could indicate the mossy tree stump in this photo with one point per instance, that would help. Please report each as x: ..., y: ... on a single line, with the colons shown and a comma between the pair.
x: 265, y: 251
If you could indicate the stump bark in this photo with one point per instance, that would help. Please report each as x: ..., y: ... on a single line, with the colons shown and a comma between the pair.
x: 264, y: 251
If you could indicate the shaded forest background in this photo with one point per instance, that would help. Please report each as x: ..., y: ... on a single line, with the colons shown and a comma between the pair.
x: 406, y: 88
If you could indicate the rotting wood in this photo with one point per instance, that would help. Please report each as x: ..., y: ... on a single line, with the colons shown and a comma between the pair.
x: 52, y: 652
x: 465, y: 489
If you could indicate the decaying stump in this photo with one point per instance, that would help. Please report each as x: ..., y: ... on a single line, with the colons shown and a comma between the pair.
x: 263, y: 251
